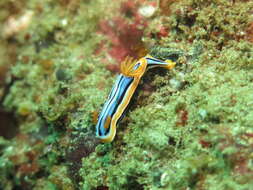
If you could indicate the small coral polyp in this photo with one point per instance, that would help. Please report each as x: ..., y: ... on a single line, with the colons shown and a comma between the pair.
x: 122, y: 92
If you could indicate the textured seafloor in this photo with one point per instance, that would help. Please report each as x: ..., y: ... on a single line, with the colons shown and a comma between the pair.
x: 190, y: 128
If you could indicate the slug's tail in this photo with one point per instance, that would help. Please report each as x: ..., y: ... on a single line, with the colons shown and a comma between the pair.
x: 170, y: 64
x: 154, y: 62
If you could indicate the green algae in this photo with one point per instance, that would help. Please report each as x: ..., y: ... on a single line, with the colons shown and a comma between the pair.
x: 192, y: 131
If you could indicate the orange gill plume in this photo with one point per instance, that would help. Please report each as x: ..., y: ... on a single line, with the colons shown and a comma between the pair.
x: 140, y: 50
x: 127, y: 67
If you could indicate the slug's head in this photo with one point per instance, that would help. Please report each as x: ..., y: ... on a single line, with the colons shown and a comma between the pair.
x: 106, y: 130
x: 133, y: 68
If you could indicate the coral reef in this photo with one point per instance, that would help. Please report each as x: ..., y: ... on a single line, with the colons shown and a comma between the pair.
x: 190, y: 128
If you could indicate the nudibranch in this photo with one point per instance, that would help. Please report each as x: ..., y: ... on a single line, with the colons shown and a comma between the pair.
x: 122, y: 92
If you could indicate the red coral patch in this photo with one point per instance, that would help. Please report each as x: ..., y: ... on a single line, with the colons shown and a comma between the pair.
x: 124, y: 32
